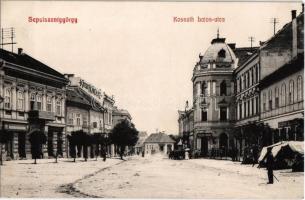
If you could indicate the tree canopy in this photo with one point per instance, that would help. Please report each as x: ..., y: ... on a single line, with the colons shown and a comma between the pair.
x: 124, y: 134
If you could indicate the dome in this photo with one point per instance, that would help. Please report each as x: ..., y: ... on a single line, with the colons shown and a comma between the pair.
x: 218, y: 52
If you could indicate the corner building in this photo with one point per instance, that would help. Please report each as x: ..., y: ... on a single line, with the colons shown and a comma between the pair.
x: 213, y: 98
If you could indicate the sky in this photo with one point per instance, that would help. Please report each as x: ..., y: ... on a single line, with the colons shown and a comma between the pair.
x: 134, y: 50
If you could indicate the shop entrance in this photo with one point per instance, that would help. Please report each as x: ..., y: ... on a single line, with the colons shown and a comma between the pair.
x: 21, y: 144
x: 204, y: 146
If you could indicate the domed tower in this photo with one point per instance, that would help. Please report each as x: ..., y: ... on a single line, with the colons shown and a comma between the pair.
x: 213, y: 89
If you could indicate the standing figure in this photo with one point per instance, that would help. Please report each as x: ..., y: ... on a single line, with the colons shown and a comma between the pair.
x: 269, y: 165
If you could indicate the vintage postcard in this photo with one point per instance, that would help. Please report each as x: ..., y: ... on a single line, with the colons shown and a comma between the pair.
x: 152, y: 99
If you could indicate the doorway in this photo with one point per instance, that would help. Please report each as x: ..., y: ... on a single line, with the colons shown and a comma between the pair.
x: 204, y: 146
x: 21, y: 144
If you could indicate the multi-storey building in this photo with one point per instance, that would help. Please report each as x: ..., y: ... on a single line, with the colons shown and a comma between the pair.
x: 120, y: 115
x: 34, y: 98
x: 186, y: 127
x: 88, y: 108
x: 213, y: 97
x: 282, y: 71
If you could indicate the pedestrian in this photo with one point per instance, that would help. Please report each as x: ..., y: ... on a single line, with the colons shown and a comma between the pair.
x: 254, y: 154
x: 269, y: 165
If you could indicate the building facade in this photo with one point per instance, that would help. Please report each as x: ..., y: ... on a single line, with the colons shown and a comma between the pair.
x: 282, y: 63
x: 247, y: 98
x: 213, y: 98
x: 158, y: 143
x: 34, y: 98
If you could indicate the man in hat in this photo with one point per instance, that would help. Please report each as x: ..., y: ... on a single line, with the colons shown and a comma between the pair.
x: 269, y: 165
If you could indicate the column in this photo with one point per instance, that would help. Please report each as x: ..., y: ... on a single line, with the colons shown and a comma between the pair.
x: 209, y: 88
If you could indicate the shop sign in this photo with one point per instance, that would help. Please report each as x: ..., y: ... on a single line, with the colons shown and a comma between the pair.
x: 90, y: 88
x: 18, y: 127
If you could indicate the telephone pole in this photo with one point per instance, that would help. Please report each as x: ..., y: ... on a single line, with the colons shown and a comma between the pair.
x: 251, y: 39
x: 274, y: 21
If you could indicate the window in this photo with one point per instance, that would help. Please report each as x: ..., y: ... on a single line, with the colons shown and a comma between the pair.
x: 32, y: 101
x: 237, y: 85
x: 49, y: 103
x: 240, y: 110
x: 256, y: 105
x: 244, y: 81
x: 8, y: 98
x: 223, y: 88
x: 245, y: 109
x: 248, y: 79
x: 264, y: 102
x: 94, y: 124
x: 291, y: 90
x: 204, y: 88
x: 222, y: 53
x: 299, y: 88
x: 204, y: 115
x: 39, y: 102
x: 270, y: 99
x: 58, y: 107
x: 248, y: 107
x: 20, y: 100
x: 70, y: 118
x: 256, y: 73
x: 276, y: 101
x: 223, y: 113
x: 283, y: 95
x: 252, y: 106
x: 85, y: 120
x: 252, y: 80
x: 240, y: 84
x: 78, y: 119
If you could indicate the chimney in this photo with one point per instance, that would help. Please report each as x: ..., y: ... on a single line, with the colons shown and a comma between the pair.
x: 20, y: 51
x: 232, y: 45
x: 294, y: 34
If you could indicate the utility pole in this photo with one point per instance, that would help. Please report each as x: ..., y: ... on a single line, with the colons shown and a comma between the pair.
x: 251, y: 39
x: 274, y: 21
x: 7, y: 37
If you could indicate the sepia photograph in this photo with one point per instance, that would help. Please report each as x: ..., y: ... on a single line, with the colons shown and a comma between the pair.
x: 152, y: 99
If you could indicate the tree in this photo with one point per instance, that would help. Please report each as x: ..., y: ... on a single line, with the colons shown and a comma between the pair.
x: 5, y: 136
x: 37, y: 139
x: 176, y: 138
x: 124, y: 134
x: 72, y: 146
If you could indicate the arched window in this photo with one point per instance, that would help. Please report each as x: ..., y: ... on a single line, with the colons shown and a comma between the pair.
x: 291, y: 90
x: 223, y: 88
x: 270, y: 99
x: 276, y: 100
x: 204, y: 88
x: 222, y: 53
x: 299, y: 88
x: 283, y: 95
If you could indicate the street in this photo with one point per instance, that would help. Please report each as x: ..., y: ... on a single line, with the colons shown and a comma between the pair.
x: 149, y: 177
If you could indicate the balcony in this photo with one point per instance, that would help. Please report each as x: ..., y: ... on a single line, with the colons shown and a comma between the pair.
x: 41, y: 115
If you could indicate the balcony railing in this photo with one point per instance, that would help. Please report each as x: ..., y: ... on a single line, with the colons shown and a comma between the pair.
x: 42, y: 115
x: 282, y: 110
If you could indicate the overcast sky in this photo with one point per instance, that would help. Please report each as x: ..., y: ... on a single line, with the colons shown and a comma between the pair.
x: 134, y: 50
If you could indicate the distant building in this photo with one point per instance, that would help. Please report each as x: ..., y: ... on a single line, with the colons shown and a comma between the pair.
x: 158, y: 143
x: 88, y: 108
x: 34, y: 99
x: 139, y: 147
x: 120, y: 115
x: 186, y: 127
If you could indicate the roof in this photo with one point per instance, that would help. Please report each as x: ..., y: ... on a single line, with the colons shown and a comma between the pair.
x: 244, y: 53
x: 140, y: 142
x: 212, y: 53
x: 28, y: 62
x: 75, y: 96
x: 283, y: 38
x: 159, y: 138
x: 121, y: 112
